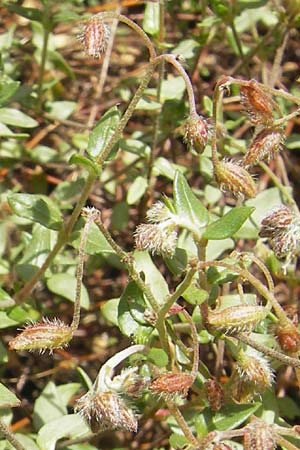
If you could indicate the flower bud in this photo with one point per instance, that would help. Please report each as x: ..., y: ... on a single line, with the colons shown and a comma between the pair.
x: 106, y: 411
x: 258, y: 104
x: 196, y: 133
x: 259, y: 436
x: 265, y: 145
x: 234, y: 178
x: 236, y: 318
x: 158, y: 239
x: 94, y: 37
x: 170, y: 384
x: 42, y: 336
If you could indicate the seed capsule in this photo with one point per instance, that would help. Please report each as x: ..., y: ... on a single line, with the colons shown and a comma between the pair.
x: 234, y: 178
x: 236, y: 318
x: 265, y: 145
x: 257, y: 103
x: 170, y: 383
x: 94, y: 37
x: 196, y: 134
x: 214, y: 394
x: 259, y: 436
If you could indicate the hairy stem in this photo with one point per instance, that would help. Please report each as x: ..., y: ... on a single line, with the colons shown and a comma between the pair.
x: 9, y: 436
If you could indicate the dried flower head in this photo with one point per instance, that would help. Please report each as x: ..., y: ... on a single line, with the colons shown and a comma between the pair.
x: 94, y: 36
x: 158, y: 239
x: 129, y: 383
x: 196, y: 133
x: 282, y: 227
x: 158, y: 213
x: 265, y: 145
x: 106, y: 411
x: 259, y: 436
x: 257, y: 103
x: 234, y: 178
x: 171, y: 384
x: 214, y: 393
x: 46, y: 335
x: 236, y: 318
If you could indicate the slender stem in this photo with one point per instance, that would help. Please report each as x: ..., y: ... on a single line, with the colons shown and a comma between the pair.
x: 61, y: 241
x: 182, y: 423
x: 134, y: 26
x: 9, y: 436
x: 46, y: 33
x: 128, y: 260
x: 264, y: 270
x: 284, y: 443
x: 189, y: 87
x: 274, y: 75
x: 243, y: 337
x: 91, y: 214
x: 239, y: 46
x: 195, y: 343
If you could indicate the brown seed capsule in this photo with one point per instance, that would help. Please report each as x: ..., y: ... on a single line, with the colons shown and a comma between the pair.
x: 257, y: 103
x: 234, y: 178
x: 94, y: 37
x: 288, y: 338
x: 106, y: 411
x: 42, y: 336
x: 170, y: 383
x: 236, y: 318
x: 259, y: 436
x: 278, y: 219
x: 196, y: 133
x: 214, y: 394
x: 252, y: 367
x: 265, y: 145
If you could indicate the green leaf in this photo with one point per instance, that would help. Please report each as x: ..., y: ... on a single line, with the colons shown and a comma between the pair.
x: 102, y: 132
x: 194, y: 295
x: 7, y: 398
x: 131, y: 309
x: 42, y: 241
x: 29, y: 13
x: 230, y: 417
x: 120, y: 216
x: 110, y: 310
x: 6, y: 301
x: 37, y: 208
x: 83, y: 161
x: 158, y: 357
x: 7, y: 88
x: 96, y: 242
x: 188, y: 207
x: 71, y: 425
x: 64, y: 284
x: 61, y: 110
x: 151, y: 22
x: 48, y: 406
x: 136, y: 190
x: 229, y: 224
x: 61, y: 63
x: 11, y: 116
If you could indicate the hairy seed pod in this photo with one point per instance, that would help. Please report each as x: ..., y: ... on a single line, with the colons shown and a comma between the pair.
x: 171, y: 383
x: 214, y: 393
x: 277, y: 219
x: 288, y: 338
x: 158, y: 239
x: 46, y: 335
x: 106, y: 411
x: 259, y: 436
x: 258, y: 104
x: 94, y: 37
x: 252, y: 366
x: 236, y: 318
x: 196, y: 133
x: 265, y: 145
x: 234, y: 178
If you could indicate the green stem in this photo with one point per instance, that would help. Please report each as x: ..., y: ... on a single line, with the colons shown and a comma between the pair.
x: 128, y: 260
x: 46, y: 34
x: 284, y: 443
x: 195, y: 343
x: 182, y: 424
x: 9, y: 436
x: 240, y: 49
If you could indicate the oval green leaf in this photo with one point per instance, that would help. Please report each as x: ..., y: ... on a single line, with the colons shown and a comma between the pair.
x: 11, y: 116
x: 186, y: 203
x: 229, y: 224
x: 102, y: 132
x: 8, y: 398
x: 37, y: 208
x: 151, y: 18
x: 64, y: 284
